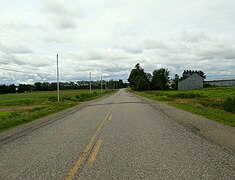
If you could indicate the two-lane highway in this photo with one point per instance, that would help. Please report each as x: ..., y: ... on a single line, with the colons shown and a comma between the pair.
x: 118, y: 137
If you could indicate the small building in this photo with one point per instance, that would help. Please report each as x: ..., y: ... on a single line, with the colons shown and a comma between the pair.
x: 221, y: 82
x: 194, y: 81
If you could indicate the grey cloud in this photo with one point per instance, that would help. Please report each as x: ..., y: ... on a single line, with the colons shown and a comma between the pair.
x: 15, y: 49
x: 95, y: 54
x: 56, y: 39
x: 21, y: 50
x: 230, y: 57
x: 216, y: 51
x: 55, y: 7
x: 116, y: 68
x: 193, y: 36
x: 9, y: 58
x: 152, y: 44
x: 132, y: 49
x: 64, y: 22
x: 63, y: 15
x: 208, y: 58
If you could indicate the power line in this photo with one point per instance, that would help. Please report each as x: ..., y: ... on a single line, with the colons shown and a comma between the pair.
x: 6, y: 69
x: 25, y: 40
x: 25, y: 72
x: 13, y: 70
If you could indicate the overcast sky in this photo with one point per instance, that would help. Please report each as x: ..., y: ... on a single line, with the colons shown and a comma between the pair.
x: 112, y: 36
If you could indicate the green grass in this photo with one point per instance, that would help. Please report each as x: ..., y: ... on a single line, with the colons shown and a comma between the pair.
x: 42, y: 103
x: 211, y: 103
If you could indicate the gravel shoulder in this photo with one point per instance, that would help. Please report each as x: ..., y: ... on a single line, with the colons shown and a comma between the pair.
x: 213, y: 131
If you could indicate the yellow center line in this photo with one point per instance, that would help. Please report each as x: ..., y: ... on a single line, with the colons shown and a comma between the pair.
x: 85, y: 152
x: 110, y: 117
x: 95, y: 152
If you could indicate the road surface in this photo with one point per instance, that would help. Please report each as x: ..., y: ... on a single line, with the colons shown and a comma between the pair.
x: 118, y: 137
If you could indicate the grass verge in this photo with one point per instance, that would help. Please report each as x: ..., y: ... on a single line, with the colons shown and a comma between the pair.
x: 43, y: 104
x: 208, y: 102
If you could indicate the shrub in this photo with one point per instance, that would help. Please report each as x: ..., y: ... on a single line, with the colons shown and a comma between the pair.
x: 52, y: 99
x: 229, y: 104
x: 66, y: 98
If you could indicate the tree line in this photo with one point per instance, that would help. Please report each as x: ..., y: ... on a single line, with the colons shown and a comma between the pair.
x: 47, y: 86
x: 139, y: 80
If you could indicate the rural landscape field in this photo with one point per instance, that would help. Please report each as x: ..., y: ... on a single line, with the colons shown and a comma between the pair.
x: 146, y: 90
x: 19, y: 108
x: 215, y: 103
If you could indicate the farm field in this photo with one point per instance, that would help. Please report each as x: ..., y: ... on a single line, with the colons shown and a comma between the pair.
x: 215, y: 103
x: 20, y: 108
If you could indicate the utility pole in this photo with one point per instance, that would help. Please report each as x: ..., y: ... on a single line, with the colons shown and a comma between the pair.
x: 90, y: 82
x: 58, y: 82
x: 101, y: 88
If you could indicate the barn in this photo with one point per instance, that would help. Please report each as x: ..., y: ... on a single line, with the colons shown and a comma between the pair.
x: 194, y: 81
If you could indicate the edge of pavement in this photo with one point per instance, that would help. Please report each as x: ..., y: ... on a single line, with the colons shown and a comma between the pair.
x: 23, y: 129
x: 217, y: 133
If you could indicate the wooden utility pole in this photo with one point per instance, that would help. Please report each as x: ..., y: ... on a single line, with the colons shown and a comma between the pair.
x: 58, y: 81
x: 101, y: 88
x: 90, y: 82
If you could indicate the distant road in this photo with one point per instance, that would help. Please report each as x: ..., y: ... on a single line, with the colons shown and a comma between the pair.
x: 118, y: 137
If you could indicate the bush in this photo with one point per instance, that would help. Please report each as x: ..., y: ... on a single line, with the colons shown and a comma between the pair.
x: 66, y: 98
x: 52, y: 99
x: 85, y: 96
x: 229, y: 104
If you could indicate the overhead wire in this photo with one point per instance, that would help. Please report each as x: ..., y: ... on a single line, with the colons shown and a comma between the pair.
x: 34, y: 44
x: 20, y: 71
x: 25, y: 40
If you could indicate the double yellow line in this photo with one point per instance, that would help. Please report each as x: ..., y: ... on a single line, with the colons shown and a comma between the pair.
x: 77, y: 166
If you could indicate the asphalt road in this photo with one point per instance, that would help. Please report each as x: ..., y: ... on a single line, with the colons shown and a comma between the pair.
x: 118, y: 137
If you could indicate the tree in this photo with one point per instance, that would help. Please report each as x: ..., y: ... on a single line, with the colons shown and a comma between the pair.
x: 38, y: 86
x: 176, y: 81
x: 188, y: 73
x: 12, y: 88
x: 24, y: 88
x: 142, y: 83
x: 121, y: 84
x: 138, y: 79
x: 45, y: 86
x: 3, y: 89
x: 160, y: 78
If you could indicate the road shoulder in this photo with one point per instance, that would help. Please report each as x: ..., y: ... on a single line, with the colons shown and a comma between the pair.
x: 213, y: 131
x: 21, y: 130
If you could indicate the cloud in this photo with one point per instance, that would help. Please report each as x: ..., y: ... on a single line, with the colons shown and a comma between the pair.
x: 15, y: 49
x: 152, y: 44
x: 132, y: 49
x: 193, y: 36
x: 113, y: 36
x: 217, y: 48
x: 89, y: 53
x: 63, y: 15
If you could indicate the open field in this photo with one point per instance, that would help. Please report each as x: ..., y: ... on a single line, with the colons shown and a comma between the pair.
x: 211, y: 103
x: 20, y: 108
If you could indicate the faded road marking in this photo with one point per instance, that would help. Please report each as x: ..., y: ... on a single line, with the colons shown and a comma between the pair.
x: 85, y: 152
x: 110, y: 118
x: 95, y: 152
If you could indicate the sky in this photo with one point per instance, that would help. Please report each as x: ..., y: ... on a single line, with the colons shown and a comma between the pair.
x: 110, y: 37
